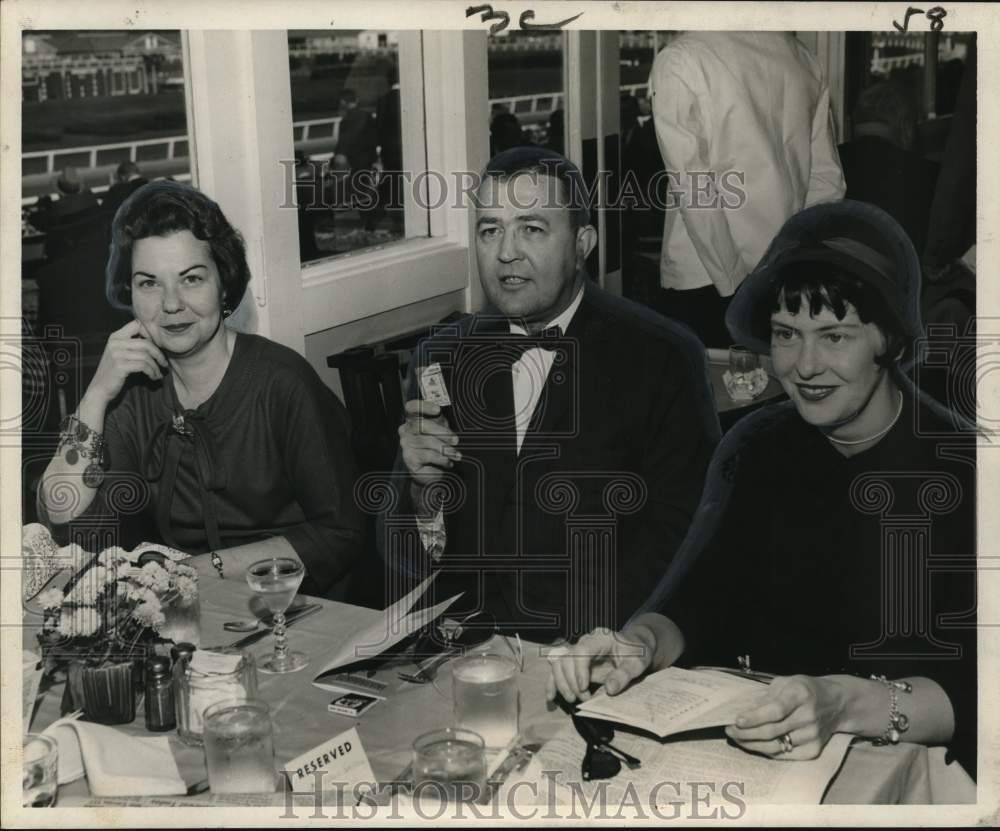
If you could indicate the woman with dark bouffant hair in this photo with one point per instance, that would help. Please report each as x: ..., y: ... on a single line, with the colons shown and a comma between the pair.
x: 235, y: 447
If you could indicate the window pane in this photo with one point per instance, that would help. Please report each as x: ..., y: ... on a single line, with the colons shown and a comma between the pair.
x: 102, y: 112
x: 526, y: 89
x: 348, y: 140
x: 896, y: 64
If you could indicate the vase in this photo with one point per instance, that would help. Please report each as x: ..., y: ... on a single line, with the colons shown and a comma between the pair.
x: 182, y: 622
x: 106, y: 693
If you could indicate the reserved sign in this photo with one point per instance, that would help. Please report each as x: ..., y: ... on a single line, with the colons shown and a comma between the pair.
x: 340, y: 760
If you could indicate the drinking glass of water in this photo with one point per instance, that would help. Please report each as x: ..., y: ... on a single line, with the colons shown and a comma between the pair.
x: 449, y: 764
x: 239, y: 747
x: 484, y: 692
x: 742, y: 360
x: 39, y: 771
x: 276, y: 581
x: 743, y: 379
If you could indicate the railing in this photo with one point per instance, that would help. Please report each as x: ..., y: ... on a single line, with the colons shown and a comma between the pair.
x: 173, y: 147
x: 315, y: 137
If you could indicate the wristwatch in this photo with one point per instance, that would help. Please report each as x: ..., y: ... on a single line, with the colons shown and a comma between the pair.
x: 217, y: 563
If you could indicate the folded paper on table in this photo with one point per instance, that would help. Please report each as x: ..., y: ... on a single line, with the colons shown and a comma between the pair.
x: 115, y: 764
x: 31, y: 679
x: 385, y: 631
x: 675, y: 700
x: 668, y: 767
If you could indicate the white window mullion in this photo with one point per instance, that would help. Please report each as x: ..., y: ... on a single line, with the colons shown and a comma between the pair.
x: 240, y: 125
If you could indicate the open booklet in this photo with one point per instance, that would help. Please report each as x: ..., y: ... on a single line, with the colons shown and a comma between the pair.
x: 674, y: 700
x: 385, y: 630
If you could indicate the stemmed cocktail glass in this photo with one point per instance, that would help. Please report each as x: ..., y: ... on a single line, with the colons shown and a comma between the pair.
x: 276, y: 581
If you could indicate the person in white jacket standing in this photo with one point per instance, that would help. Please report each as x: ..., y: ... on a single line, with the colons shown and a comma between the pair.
x: 744, y: 126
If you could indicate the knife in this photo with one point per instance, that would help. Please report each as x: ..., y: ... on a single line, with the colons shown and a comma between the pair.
x: 291, y: 618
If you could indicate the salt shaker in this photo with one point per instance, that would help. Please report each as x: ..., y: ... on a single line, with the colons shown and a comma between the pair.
x: 180, y: 654
x: 159, y: 695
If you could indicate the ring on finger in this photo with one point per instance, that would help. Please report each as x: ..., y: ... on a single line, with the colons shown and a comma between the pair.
x: 786, y: 743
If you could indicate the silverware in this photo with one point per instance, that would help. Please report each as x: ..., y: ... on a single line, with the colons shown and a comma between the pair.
x: 516, y: 760
x: 290, y: 619
x: 428, y: 669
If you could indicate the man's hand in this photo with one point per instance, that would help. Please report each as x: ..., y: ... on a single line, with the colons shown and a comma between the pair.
x: 428, y: 443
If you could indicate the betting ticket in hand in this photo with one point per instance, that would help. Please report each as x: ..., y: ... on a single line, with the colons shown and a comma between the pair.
x: 432, y: 386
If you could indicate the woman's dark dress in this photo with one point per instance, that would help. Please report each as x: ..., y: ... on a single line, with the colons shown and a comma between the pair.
x: 824, y: 564
x: 270, y: 456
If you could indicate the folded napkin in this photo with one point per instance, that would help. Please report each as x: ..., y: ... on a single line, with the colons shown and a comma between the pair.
x: 116, y: 764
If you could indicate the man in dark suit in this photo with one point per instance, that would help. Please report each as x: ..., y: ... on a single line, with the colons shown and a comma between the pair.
x: 357, y: 139
x: 559, y: 470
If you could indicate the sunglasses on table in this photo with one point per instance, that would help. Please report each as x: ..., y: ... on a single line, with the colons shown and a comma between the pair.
x: 602, y: 760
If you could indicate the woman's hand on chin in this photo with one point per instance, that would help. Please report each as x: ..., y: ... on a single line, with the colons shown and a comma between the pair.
x: 800, y: 709
x: 128, y: 350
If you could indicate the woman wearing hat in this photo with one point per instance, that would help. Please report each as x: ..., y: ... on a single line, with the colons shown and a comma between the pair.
x: 218, y: 443
x: 829, y: 544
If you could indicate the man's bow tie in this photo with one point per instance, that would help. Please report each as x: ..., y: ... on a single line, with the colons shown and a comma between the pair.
x: 516, y: 345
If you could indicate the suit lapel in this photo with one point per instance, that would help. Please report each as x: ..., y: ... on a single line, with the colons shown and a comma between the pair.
x: 559, y: 404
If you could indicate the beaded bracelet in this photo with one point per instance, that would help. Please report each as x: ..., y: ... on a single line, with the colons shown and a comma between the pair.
x: 898, y: 722
x: 81, y: 442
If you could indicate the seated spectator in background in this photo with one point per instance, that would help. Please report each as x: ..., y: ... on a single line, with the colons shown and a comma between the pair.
x: 357, y: 139
x: 729, y: 106
x: 505, y: 133
x: 128, y: 179
x: 74, y: 196
x: 76, y: 219
x: 880, y: 165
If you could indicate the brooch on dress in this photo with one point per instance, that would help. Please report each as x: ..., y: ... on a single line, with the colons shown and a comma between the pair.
x: 180, y: 426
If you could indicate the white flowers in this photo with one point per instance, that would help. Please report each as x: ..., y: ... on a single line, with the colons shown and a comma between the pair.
x: 50, y: 599
x: 149, y: 613
x: 112, y: 598
x: 79, y: 622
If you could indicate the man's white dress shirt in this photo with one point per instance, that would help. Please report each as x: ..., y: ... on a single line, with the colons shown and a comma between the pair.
x: 529, y: 374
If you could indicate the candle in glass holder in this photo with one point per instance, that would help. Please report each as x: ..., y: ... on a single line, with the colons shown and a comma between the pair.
x: 210, y: 677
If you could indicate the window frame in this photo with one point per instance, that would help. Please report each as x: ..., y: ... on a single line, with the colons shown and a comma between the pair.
x: 442, y: 75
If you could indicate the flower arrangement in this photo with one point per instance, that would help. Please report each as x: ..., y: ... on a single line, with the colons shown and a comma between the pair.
x: 114, y: 604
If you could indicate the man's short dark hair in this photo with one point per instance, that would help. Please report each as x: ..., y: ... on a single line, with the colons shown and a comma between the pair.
x: 162, y: 208
x: 543, y: 161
